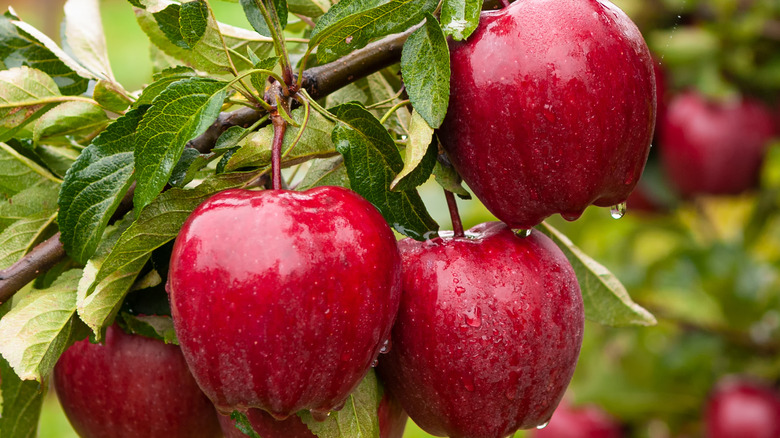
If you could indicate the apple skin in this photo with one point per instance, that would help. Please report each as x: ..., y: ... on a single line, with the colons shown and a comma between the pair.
x: 739, y: 407
x: 488, y: 332
x: 552, y: 108
x: 392, y: 421
x: 281, y: 300
x: 714, y: 148
x: 587, y: 421
x: 132, y: 387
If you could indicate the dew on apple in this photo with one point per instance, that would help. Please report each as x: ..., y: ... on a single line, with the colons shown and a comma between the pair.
x: 385, y: 347
x: 473, y: 316
x: 617, y: 211
x: 523, y: 232
x: 542, y: 426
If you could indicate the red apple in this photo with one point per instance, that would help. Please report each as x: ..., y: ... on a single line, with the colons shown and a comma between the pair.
x: 281, y: 300
x: 132, y: 387
x: 740, y: 407
x: 552, y: 108
x: 715, y: 148
x: 392, y: 421
x: 588, y: 421
x: 488, y: 332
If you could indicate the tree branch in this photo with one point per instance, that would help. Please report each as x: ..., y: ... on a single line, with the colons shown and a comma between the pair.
x: 318, y: 81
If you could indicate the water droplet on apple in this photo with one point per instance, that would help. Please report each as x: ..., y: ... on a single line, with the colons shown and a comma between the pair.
x: 617, y: 211
x: 543, y: 425
x: 468, y: 383
x: 386, y: 346
x: 473, y: 317
x: 523, y: 233
x: 459, y: 290
x: 374, y: 363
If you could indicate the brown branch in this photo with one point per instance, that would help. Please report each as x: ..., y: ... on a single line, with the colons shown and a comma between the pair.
x: 318, y: 81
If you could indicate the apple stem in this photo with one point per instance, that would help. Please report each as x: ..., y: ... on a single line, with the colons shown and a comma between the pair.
x: 280, y: 126
x: 457, y: 225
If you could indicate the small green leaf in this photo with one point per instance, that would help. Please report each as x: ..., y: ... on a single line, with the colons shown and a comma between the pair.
x: 425, y: 66
x: 18, y: 172
x: 255, y: 17
x: 341, y: 33
x: 111, y: 96
x: 40, y: 326
x: 193, y: 21
x: 449, y: 180
x: 84, y: 39
x: 372, y: 161
x: 158, y: 327
x: 58, y: 159
x: 190, y: 163
x: 606, y: 299
x: 21, y: 404
x: 420, y: 155
x: 230, y: 138
x: 314, y: 143
x: 259, y: 80
x: 160, y: 222
x: 358, y: 418
x: 95, y: 185
x: 183, y: 111
x: 69, y: 118
x: 243, y: 424
x: 168, y: 22
x: 325, y: 172
x: 21, y: 45
x: 23, y: 94
x: 459, y: 18
x: 308, y: 8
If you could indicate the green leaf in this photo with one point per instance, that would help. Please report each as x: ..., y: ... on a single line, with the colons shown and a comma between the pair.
x: 18, y: 172
x: 111, y: 96
x: 230, y: 138
x: 314, y: 143
x: 255, y: 16
x: 190, y: 163
x: 325, y: 172
x: 158, y: 327
x: 161, y: 81
x: 358, y: 418
x: 160, y: 221
x: 208, y: 54
x: 421, y: 154
x: 23, y: 45
x: 459, y: 18
x: 606, y: 299
x: 84, y: 39
x: 168, y: 22
x: 69, y: 118
x: 308, y: 8
x: 449, y: 180
x: 258, y: 80
x: 425, y: 66
x: 40, y: 197
x: 340, y: 33
x: 99, y: 308
x: 183, y: 111
x: 40, y: 326
x: 243, y: 424
x: 23, y: 94
x: 95, y: 185
x: 372, y: 162
x: 58, y: 159
x: 193, y: 21
x: 21, y: 404
x: 21, y: 236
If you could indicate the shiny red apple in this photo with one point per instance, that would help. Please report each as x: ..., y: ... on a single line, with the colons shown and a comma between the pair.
x: 281, y: 300
x: 392, y: 421
x: 552, y: 108
x: 740, y: 407
x: 132, y: 387
x: 488, y: 332
x: 715, y: 148
x: 587, y: 421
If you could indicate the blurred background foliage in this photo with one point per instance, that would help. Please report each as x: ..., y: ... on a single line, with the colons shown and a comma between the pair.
x: 707, y: 267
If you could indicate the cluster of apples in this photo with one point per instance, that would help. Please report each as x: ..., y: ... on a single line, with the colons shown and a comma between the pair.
x: 282, y: 301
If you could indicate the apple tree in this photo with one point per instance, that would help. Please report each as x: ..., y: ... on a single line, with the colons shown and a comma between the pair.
x: 97, y: 181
